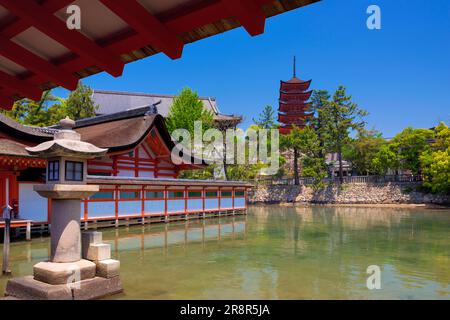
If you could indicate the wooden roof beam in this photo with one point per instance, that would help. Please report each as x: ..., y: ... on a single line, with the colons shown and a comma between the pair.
x: 249, y: 14
x: 20, y: 25
x: 177, y: 23
x: 36, y: 64
x: 147, y: 26
x: 21, y: 86
x: 49, y: 24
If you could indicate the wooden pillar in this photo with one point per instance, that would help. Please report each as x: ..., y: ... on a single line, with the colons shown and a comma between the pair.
x: 203, y: 201
x: 143, y: 204
x: 86, y: 212
x: 185, y: 200
x: 115, y: 166
x: 5, y: 266
x: 232, y: 197
x: 165, y: 204
x: 116, y: 207
x: 220, y: 197
x: 28, y: 231
x: 246, y: 198
x: 136, y: 162
x: 156, y: 171
x: 49, y: 211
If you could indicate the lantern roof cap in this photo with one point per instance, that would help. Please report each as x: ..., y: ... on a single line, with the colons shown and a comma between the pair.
x: 67, y: 143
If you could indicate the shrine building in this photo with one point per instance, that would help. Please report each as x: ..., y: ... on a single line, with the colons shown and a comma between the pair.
x: 139, y: 181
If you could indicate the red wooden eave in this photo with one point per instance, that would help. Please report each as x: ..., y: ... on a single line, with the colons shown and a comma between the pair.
x: 147, y: 26
x: 46, y: 22
x: 165, y: 31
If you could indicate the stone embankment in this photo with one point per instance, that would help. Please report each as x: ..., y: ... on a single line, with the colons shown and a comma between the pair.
x: 352, y: 193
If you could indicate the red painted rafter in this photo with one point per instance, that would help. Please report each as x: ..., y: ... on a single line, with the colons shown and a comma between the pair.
x: 32, y: 62
x: 20, y: 25
x: 178, y: 23
x: 23, y: 87
x: 147, y: 26
x: 249, y: 14
x: 49, y: 24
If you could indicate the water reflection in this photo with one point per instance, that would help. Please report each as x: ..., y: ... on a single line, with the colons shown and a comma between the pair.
x: 164, y: 236
x: 279, y: 253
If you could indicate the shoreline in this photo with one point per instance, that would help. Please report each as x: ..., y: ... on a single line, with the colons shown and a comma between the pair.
x: 357, y: 205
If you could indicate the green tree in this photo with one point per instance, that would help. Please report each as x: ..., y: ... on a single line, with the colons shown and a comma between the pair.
x: 384, y: 160
x: 362, y: 150
x: 436, y: 170
x: 312, y: 160
x: 51, y: 109
x: 305, y: 145
x: 339, y: 117
x: 435, y: 161
x: 442, y: 137
x: 40, y: 113
x: 318, y: 104
x: 266, y: 118
x: 409, y: 145
x: 186, y: 109
x: 79, y: 104
x: 200, y: 174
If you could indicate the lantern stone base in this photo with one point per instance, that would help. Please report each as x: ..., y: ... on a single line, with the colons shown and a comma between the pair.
x: 94, y: 277
x: 63, y: 273
x: 27, y: 288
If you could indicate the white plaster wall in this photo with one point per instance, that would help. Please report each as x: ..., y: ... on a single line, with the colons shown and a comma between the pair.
x: 239, y: 202
x: 146, y: 174
x: 31, y: 205
x: 126, y: 173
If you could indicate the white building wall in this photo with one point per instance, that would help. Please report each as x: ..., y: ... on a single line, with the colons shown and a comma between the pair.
x: 31, y: 205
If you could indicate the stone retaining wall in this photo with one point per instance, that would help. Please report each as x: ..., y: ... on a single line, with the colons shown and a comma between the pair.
x: 357, y: 193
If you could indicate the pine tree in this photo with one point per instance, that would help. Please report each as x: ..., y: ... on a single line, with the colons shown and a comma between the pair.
x: 339, y: 117
x: 266, y: 118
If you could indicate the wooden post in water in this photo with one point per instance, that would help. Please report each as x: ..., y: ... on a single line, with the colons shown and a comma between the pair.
x: 28, y: 231
x: 5, y: 268
x: 7, y: 217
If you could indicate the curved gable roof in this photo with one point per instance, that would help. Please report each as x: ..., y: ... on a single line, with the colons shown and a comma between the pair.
x: 124, y: 134
x: 23, y: 132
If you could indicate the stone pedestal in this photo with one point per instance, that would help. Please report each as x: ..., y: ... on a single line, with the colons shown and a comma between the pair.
x: 27, y: 288
x: 92, y: 278
x: 65, y: 233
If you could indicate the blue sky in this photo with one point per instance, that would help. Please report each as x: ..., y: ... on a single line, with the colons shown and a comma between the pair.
x: 400, y: 74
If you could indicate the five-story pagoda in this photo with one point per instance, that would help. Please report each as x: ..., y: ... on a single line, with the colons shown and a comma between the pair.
x: 294, y: 105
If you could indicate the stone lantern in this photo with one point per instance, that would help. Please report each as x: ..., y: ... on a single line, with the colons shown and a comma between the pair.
x: 67, y: 275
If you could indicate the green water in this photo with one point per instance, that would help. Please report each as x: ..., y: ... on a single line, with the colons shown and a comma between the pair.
x: 279, y: 253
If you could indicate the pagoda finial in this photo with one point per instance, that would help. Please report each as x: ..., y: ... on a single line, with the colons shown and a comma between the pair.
x: 295, y: 67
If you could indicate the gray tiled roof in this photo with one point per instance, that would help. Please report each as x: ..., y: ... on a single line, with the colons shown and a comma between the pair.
x: 29, y: 130
x: 114, y: 101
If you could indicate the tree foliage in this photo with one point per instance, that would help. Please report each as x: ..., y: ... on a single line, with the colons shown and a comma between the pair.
x: 186, y: 109
x: 79, y: 104
x: 339, y: 116
x: 51, y: 109
x: 44, y: 112
x: 408, y: 146
x: 266, y: 119
x: 306, y: 147
x: 435, y: 161
x: 384, y: 160
x: 362, y: 150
